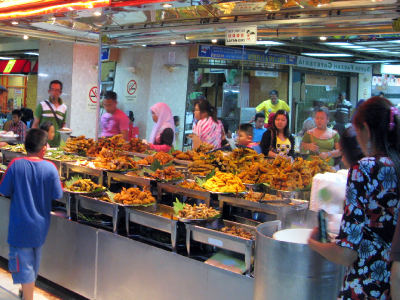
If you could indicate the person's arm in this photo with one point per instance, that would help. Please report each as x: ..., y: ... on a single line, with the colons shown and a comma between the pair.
x: 124, y: 126
x: 166, y: 139
x: 337, y: 254
x: 306, y: 144
x: 266, y: 142
x: 292, y: 143
x: 259, y: 108
x: 38, y: 114
x: 286, y: 106
x: 125, y: 134
x: 395, y: 280
x: 158, y: 148
x: 36, y: 122
x: 196, y: 140
x: 23, y: 132
x: 335, y: 152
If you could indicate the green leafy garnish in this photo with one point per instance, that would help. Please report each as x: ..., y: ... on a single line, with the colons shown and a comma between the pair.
x: 72, y: 180
x: 171, y: 150
x: 111, y: 196
x: 136, y: 158
x: 178, y: 206
x: 62, y: 144
x: 201, y: 181
x: 156, y: 165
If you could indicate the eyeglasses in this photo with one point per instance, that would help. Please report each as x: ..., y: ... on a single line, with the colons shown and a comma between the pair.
x: 55, y: 90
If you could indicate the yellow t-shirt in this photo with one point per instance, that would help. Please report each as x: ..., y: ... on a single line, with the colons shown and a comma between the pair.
x: 268, y: 107
x: 283, y: 146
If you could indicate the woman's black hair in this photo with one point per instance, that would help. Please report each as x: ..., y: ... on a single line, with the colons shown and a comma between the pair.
x: 46, y: 126
x: 131, y: 116
x: 205, y: 106
x: 176, y: 119
x: 349, y: 145
x: 376, y: 113
x: 286, y: 131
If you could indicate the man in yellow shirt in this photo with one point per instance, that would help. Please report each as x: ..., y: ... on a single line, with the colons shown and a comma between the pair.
x: 272, y: 105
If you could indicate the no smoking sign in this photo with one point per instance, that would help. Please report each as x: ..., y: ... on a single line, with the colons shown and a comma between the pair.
x: 131, y: 87
x: 93, y: 94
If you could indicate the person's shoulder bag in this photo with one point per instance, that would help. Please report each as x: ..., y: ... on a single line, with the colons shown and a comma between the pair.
x: 54, y: 113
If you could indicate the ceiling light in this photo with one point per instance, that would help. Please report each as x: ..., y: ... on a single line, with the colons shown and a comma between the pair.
x: 269, y: 43
x: 353, y: 47
x: 173, y: 42
x: 53, y: 18
x: 167, y: 5
x: 395, y: 41
x: 368, y: 49
x: 323, y: 38
x: 97, y: 13
x: 32, y: 53
x: 375, y: 61
x: 6, y: 58
x: 338, y: 44
x: 381, y: 51
x: 214, y: 41
x: 14, y: 22
x: 26, y: 37
x: 328, y: 54
x: 143, y: 45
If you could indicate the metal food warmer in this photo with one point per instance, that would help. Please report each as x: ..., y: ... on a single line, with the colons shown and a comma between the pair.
x: 72, y: 168
x: 136, y: 181
x: 175, y: 189
x: 10, y: 155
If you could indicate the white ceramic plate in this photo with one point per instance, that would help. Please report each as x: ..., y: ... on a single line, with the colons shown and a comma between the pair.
x: 65, y: 131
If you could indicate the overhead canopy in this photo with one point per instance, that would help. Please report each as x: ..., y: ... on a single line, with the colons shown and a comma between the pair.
x: 17, y: 66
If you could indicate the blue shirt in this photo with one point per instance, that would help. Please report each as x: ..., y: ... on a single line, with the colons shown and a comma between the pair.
x: 257, y: 134
x: 32, y: 183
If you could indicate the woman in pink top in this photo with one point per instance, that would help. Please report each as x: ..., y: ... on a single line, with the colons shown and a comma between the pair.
x: 163, y: 134
x: 208, y: 128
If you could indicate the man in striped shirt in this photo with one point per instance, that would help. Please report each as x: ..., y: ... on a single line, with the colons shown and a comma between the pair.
x: 52, y: 110
x: 343, y: 110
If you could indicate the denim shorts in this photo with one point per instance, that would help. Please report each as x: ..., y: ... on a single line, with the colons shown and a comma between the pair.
x: 23, y: 264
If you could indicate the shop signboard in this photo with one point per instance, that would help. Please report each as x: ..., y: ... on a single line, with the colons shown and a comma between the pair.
x: 248, y: 7
x: 230, y: 53
x: 243, y: 35
x: 91, y: 99
x: 322, y: 64
x: 105, y: 54
x: 259, y: 73
x: 131, y: 87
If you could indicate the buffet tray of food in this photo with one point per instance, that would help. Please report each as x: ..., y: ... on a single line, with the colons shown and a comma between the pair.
x: 175, y: 189
x: 71, y: 167
x: 227, y: 235
x: 8, y: 155
x: 99, y: 206
x: 159, y: 216
x: 140, y: 181
x: 137, y: 154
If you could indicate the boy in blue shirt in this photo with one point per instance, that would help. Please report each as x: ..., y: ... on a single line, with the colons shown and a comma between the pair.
x: 32, y: 184
x: 246, y: 136
x: 259, y: 129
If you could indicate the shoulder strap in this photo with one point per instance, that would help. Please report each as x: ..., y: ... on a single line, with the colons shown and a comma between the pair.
x: 312, y: 135
x: 54, y: 113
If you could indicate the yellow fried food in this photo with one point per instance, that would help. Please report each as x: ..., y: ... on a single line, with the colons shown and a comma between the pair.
x: 134, y: 196
x: 197, y: 212
x: 224, y: 183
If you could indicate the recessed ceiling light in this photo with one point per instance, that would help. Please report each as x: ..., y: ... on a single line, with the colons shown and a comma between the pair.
x: 26, y: 37
x: 214, y: 40
x: 338, y: 44
x: 173, y: 42
x: 167, y: 5
x: 269, y: 43
x: 323, y: 38
x: 97, y: 13
x: 32, y: 53
x: 14, y: 22
x: 143, y: 45
x: 328, y: 54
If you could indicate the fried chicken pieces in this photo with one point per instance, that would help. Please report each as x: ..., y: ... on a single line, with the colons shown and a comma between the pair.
x: 168, y: 173
x: 190, y: 185
x: 78, y: 144
x: 240, y: 232
x: 114, y: 142
x: 134, y: 196
x: 134, y: 145
x: 162, y: 157
x: 197, y: 212
x: 114, y: 160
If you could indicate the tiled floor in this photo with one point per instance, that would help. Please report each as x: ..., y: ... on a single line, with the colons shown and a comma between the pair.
x: 44, y: 289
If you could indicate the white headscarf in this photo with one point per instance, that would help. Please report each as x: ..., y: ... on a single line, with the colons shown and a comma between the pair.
x: 165, y: 120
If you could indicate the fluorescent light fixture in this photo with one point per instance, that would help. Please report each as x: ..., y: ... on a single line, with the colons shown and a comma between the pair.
x: 173, y: 42
x: 323, y: 38
x: 328, y: 54
x: 5, y: 58
x: 32, y: 53
x: 381, y: 51
x: 338, y: 44
x: 14, y: 22
x: 26, y: 37
x: 368, y: 49
x: 214, y: 41
x: 353, y: 47
x: 167, y: 5
x: 269, y: 43
x: 390, y: 69
x: 395, y: 41
x: 375, y: 61
x: 97, y: 13
x: 143, y: 45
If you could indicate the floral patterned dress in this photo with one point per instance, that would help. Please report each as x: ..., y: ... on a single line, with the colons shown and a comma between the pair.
x: 368, y: 225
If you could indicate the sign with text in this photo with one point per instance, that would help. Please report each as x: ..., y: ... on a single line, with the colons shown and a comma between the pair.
x: 322, y: 64
x: 246, y: 35
x: 131, y: 87
x: 266, y: 74
x: 248, y: 7
x: 220, y: 52
x: 91, y: 98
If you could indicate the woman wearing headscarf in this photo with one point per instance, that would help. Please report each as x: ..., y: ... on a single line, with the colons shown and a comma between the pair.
x: 163, y: 133
x: 270, y: 123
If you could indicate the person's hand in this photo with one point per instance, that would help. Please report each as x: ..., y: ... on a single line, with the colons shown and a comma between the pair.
x: 324, y: 155
x: 252, y: 119
x: 313, y: 147
x: 314, y: 235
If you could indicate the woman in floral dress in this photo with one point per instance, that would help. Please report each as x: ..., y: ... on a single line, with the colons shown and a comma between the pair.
x: 371, y: 206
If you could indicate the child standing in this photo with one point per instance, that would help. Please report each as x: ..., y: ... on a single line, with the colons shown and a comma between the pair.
x: 133, y: 129
x: 32, y: 184
x: 177, y: 122
x: 50, y: 129
x: 246, y: 137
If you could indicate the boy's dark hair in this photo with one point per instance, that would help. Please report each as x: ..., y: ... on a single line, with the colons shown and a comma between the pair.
x: 274, y: 92
x: 35, y: 140
x: 17, y: 112
x: 247, y: 128
x: 46, y: 126
x: 259, y: 115
x: 56, y: 82
x: 111, y: 95
x: 176, y: 119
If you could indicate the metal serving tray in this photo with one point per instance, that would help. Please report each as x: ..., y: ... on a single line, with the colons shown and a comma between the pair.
x: 146, y: 216
x: 85, y: 170
x: 281, y: 210
x: 226, y: 241
x: 66, y: 199
x: 174, y: 189
x: 182, y: 162
x: 10, y: 155
x: 103, y: 207
x: 140, y: 181
x: 141, y: 155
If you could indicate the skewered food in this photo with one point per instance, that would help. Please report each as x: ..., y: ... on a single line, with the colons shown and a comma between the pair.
x: 111, y: 160
x: 114, y: 142
x: 162, y: 157
x: 78, y: 144
x: 200, y: 167
x: 237, y: 231
x: 134, y: 145
x: 224, y: 183
x: 204, y: 147
x: 84, y: 185
x: 190, y: 185
x: 197, y: 212
x: 134, y: 196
